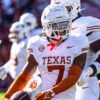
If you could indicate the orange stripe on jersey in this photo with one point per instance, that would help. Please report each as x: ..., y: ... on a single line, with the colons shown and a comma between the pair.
x: 85, y: 49
x: 74, y: 28
x: 93, y: 27
x: 30, y: 49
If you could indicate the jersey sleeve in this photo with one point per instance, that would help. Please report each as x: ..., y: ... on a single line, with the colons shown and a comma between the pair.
x: 94, y: 36
x: 82, y: 45
x: 93, y: 25
x: 93, y: 30
x: 32, y: 48
x: 14, y: 50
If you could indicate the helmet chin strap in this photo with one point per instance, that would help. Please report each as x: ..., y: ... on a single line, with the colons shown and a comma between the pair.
x: 54, y: 43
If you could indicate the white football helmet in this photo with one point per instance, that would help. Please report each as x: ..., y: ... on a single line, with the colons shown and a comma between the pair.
x: 55, y: 1
x: 30, y: 20
x: 56, y: 21
x: 18, y: 31
x: 75, y: 6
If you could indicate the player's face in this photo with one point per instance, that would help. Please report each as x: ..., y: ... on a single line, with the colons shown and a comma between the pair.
x: 59, y: 28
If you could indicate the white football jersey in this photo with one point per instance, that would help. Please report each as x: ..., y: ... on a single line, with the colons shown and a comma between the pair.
x: 11, y: 65
x: 55, y: 64
x: 90, y: 27
x: 13, y: 53
x: 21, y: 55
x: 18, y: 56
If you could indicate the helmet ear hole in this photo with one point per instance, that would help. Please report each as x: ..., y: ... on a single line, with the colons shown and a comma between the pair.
x: 69, y: 8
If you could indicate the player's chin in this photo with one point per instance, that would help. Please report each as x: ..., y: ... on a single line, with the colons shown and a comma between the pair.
x: 20, y: 95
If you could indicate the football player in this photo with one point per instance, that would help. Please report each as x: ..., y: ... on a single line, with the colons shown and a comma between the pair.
x: 30, y: 23
x: 18, y: 36
x: 90, y: 27
x: 59, y: 55
x: 17, y: 53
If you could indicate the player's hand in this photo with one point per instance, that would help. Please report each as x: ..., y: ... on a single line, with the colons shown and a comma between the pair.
x: 83, y: 78
x: 4, y: 98
x: 44, y: 95
x: 3, y: 73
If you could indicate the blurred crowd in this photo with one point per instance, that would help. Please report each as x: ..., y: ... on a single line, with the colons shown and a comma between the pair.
x: 11, y: 10
x: 91, y: 8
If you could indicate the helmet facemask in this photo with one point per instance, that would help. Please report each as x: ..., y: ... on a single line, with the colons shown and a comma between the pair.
x: 13, y: 36
x: 17, y: 32
x: 55, y: 30
x: 16, y: 36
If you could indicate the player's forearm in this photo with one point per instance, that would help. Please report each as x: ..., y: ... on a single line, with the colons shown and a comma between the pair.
x: 18, y: 84
x: 23, y: 77
x: 5, y: 98
x: 69, y: 81
x: 62, y: 86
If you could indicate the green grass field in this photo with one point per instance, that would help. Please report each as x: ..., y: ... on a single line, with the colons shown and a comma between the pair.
x: 1, y: 95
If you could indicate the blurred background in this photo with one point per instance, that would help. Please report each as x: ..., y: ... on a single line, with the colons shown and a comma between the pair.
x: 11, y: 10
